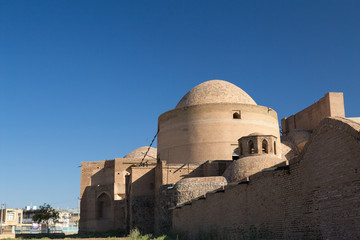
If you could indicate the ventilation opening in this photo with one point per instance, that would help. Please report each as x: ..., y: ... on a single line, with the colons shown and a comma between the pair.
x: 236, y: 115
x: 251, y: 147
x: 275, y: 148
x: 265, y: 146
x: 236, y: 154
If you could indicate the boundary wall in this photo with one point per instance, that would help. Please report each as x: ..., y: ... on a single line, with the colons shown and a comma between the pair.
x: 331, y: 105
x: 317, y: 196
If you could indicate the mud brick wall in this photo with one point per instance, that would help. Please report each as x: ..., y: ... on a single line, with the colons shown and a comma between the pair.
x: 181, y: 192
x: 142, y: 199
x: 331, y: 105
x: 316, y: 197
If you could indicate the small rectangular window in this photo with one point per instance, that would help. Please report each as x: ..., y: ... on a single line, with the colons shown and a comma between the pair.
x: 11, y: 216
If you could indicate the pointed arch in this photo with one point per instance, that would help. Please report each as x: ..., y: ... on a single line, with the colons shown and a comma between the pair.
x: 103, y: 206
x: 236, y: 154
x: 251, y: 147
x: 265, y: 147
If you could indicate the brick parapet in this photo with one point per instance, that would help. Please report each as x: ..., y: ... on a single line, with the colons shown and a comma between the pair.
x: 331, y: 105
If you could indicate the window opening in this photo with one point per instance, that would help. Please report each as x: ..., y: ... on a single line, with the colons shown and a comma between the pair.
x: 275, y: 148
x: 236, y: 154
x: 236, y: 115
x: 265, y: 146
x: 251, y: 147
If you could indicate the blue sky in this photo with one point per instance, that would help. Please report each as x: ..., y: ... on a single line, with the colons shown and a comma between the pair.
x: 86, y: 80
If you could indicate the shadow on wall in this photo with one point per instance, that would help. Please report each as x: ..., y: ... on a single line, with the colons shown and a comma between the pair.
x: 97, y: 208
x: 142, y: 201
x: 105, y: 175
x: 103, y: 206
x: 207, y: 169
x: 99, y: 211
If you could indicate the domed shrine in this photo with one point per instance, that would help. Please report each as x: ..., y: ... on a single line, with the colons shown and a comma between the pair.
x: 208, y: 121
x: 221, y: 167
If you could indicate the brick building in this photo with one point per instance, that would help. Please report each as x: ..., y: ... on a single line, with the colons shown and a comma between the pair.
x: 223, y: 168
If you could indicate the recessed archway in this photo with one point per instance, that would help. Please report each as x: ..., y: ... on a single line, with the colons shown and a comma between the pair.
x: 265, y: 146
x: 103, y: 206
x: 251, y: 147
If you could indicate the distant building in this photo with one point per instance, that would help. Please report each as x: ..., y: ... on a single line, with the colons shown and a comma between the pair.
x: 67, y: 222
x: 11, y: 218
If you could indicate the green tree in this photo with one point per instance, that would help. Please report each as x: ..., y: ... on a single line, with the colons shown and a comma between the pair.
x: 45, y: 214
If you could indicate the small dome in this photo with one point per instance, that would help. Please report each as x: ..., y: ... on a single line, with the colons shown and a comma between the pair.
x: 247, y: 166
x: 140, y: 152
x: 215, y: 91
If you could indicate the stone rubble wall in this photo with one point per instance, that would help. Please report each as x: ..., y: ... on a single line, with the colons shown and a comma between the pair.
x: 181, y: 192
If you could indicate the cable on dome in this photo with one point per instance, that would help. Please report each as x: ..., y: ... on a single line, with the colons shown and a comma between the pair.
x: 141, y: 163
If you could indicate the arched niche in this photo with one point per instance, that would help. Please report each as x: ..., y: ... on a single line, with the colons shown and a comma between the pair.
x: 103, y: 206
x: 251, y: 147
x: 265, y: 146
x: 236, y: 154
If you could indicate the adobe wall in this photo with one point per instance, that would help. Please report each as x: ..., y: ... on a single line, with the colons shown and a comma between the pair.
x: 96, y: 178
x: 96, y: 173
x: 169, y: 174
x: 316, y: 197
x: 331, y: 105
x: 181, y: 192
x: 107, y: 177
x: 89, y: 221
x: 121, y: 169
x: 142, y: 199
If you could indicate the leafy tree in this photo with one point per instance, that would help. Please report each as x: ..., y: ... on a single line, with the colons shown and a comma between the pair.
x: 45, y: 214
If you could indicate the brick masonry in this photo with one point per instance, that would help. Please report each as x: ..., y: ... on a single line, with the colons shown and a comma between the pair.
x: 183, y: 191
x: 316, y: 197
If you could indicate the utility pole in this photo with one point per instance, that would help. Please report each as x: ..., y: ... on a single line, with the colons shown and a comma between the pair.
x: 1, y: 218
x: 79, y: 199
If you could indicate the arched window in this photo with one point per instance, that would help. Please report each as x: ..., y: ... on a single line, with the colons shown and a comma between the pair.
x: 275, y: 148
x: 240, y: 149
x: 103, y: 205
x: 236, y: 153
x: 265, y: 146
x: 236, y: 115
x: 251, y: 147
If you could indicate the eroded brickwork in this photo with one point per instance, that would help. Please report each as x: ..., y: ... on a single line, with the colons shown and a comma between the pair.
x: 142, y: 198
x: 181, y: 192
x: 316, y: 197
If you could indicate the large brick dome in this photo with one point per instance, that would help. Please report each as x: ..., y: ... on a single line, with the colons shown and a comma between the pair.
x: 215, y: 91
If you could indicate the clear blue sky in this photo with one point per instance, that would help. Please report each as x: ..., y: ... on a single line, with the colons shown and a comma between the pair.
x: 86, y: 80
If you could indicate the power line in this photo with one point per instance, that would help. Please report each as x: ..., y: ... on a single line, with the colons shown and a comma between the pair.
x: 141, y: 163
